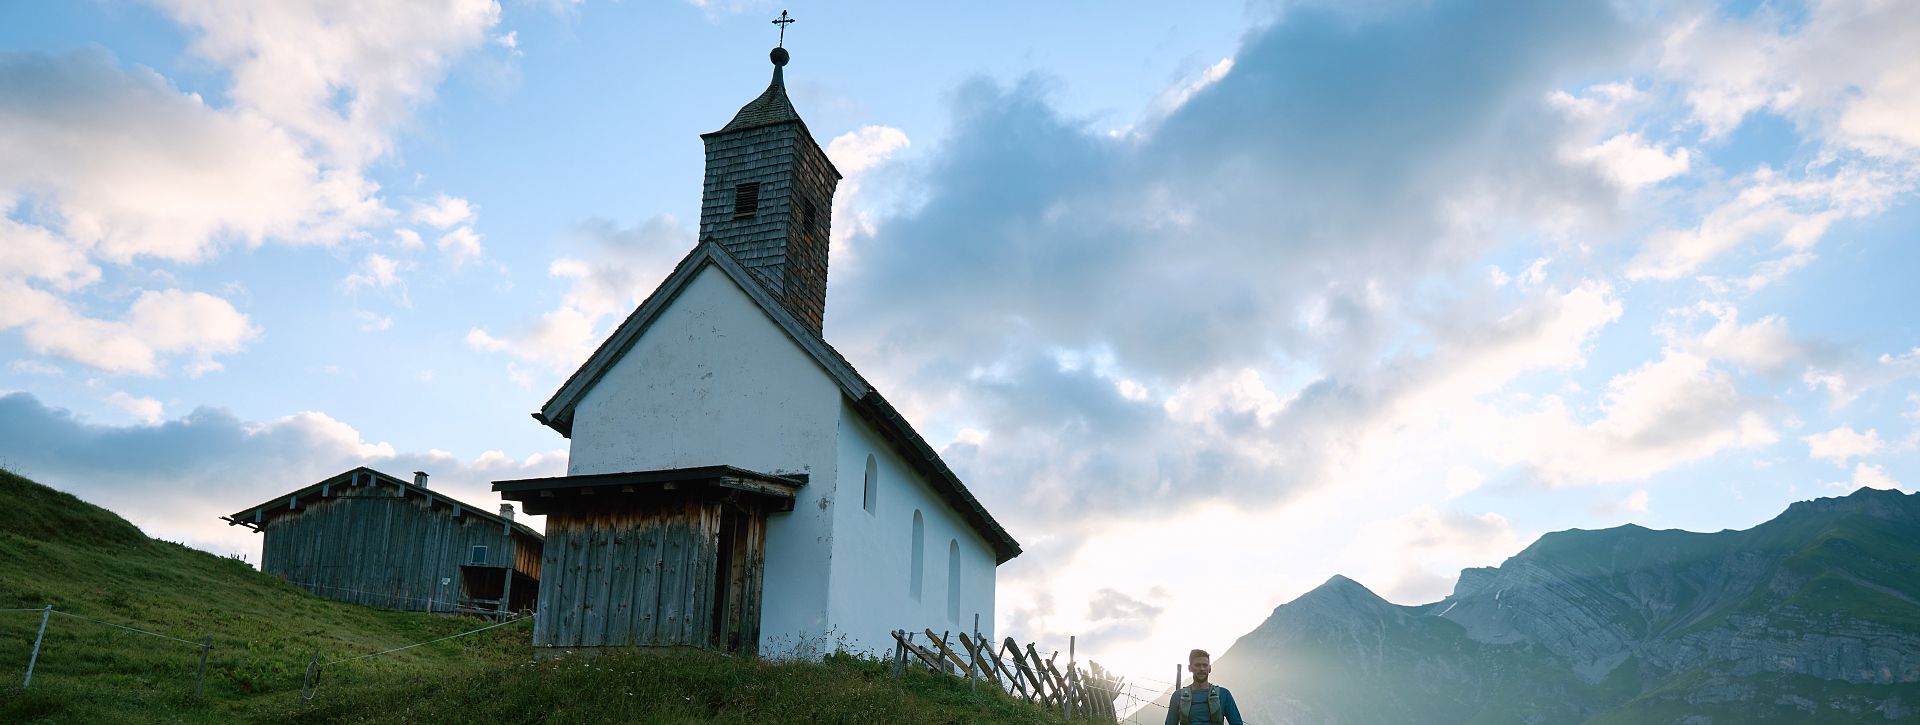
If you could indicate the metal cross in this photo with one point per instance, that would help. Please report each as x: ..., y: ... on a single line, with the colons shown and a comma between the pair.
x: 783, y: 21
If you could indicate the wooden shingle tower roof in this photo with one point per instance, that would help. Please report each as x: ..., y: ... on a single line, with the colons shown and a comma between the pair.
x: 772, y: 106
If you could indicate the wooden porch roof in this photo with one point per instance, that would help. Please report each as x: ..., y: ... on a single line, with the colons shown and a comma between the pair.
x: 540, y: 495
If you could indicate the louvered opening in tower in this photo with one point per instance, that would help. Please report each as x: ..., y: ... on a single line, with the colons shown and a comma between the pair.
x: 746, y: 200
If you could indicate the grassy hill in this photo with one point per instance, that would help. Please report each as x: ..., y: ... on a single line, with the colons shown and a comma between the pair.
x: 56, y: 549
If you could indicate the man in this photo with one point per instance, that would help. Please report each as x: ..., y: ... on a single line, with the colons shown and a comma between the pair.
x: 1203, y: 703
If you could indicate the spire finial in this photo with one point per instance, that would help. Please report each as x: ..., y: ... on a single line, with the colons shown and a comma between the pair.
x: 783, y: 21
x: 779, y: 54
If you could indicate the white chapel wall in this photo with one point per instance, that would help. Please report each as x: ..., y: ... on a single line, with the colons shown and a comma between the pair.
x: 873, y: 552
x: 715, y: 382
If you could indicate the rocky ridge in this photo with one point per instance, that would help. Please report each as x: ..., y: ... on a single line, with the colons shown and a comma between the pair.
x: 1813, y: 616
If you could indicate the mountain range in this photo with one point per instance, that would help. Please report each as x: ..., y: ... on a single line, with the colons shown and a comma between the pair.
x: 1811, y: 617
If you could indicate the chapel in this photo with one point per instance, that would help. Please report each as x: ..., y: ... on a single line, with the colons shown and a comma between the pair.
x: 733, y: 482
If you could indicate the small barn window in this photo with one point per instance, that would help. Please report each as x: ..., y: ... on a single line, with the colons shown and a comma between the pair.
x: 809, y: 215
x: 869, y: 497
x: 479, y: 555
x: 746, y: 200
x: 953, y: 580
x: 919, y: 555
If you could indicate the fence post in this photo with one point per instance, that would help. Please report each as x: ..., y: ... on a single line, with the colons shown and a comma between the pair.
x: 899, y: 654
x: 45, y: 614
x: 200, y: 675
x: 313, y: 665
x: 973, y: 676
x: 1174, y: 699
x: 1071, y: 695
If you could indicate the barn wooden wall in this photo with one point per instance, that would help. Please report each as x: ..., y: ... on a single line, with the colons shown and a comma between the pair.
x: 373, y: 548
x: 645, y: 576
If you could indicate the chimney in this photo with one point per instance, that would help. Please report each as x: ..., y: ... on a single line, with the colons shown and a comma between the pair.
x: 506, y: 512
x: 420, y: 478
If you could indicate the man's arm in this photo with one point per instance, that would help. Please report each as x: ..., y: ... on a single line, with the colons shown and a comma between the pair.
x: 1173, y: 701
x: 1232, y: 711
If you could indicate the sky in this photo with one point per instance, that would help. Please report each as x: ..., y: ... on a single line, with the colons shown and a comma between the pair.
x: 1206, y: 302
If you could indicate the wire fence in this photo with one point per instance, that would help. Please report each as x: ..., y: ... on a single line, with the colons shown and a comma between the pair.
x: 495, y: 625
x: 1151, y: 702
x: 46, y: 616
x: 452, y: 603
x: 125, y: 627
x: 308, y: 686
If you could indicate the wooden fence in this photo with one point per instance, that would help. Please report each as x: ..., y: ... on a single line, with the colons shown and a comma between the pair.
x: 1018, y: 671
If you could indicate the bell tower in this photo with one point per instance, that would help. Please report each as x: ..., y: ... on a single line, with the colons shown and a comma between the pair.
x: 768, y: 199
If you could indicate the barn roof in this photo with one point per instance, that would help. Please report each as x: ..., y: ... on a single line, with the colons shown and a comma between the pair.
x: 558, y: 412
x: 255, y: 517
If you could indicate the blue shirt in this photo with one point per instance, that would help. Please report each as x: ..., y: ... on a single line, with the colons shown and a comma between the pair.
x: 1210, y: 706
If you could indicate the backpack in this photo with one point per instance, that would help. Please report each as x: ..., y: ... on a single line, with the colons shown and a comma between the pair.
x: 1216, y: 714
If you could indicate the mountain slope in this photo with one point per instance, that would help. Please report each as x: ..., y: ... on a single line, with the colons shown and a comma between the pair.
x: 56, y: 549
x: 1811, y: 617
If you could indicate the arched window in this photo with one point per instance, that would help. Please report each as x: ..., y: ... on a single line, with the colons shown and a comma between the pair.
x: 953, y: 580
x: 919, y: 555
x: 870, y: 499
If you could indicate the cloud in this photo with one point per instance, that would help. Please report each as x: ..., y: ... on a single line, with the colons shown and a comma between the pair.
x: 1847, y: 378
x: 1765, y: 346
x: 1845, y: 68
x: 460, y: 246
x: 1271, y: 191
x: 1866, y: 475
x: 510, y: 41
x: 1631, y: 162
x: 1416, y: 557
x: 1637, y: 501
x: 145, y: 410
x: 1665, y: 413
x: 856, y: 153
x: 1842, y: 73
x: 1117, y: 618
x: 1793, y: 213
x: 101, y: 163
x: 559, y: 341
x: 37, y: 253
x: 370, y: 322
x: 130, y: 167
x: 36, y: 367
x: 1462, y: 480
x: 378, y: 271
x: 1838, y: 445
x: 339, y: 77
x: 1173, y: 97
x: 175, y: 478
x: 445, y: 211
x: 156, y: 325
x: 1599, y: 102
x: 1243, y: 266
x: 620, y: 268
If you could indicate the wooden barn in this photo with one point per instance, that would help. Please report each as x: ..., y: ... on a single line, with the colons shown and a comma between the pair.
x: 655, y: 558
x: 368, y: 538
